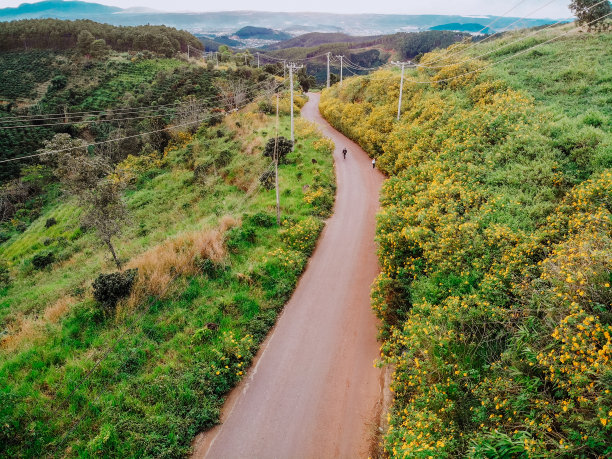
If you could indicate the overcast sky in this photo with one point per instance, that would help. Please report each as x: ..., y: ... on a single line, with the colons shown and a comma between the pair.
x: 556, y: 9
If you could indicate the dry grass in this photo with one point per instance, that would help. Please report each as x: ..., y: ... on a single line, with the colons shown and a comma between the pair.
x: 54, y: 313
x: 30, y: 329
x: 158, y: 266
x: 244, y: 125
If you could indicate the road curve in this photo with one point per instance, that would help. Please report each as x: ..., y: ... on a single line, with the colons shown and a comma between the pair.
x: 313, y: 391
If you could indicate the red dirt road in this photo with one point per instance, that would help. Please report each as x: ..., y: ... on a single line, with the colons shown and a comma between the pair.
x: 312, y: 391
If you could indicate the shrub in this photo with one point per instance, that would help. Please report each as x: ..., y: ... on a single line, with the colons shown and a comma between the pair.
x: 303, y: 235
x: 5, y: 276
x: 240, y: 237
x: 283, y: 148
x: 321, y: 199
x: 262, y: 220
x: 267, y: 180
x: 42, y: 260
x: 108, y: 289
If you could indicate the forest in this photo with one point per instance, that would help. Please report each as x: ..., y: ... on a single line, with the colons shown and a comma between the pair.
x: 55, y: 34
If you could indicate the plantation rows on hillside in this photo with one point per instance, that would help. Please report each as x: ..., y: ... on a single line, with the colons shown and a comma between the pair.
x: 495, y: 242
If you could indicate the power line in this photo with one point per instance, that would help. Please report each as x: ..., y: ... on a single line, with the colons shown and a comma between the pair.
x: 492, y: 63
x: 167, y: 111
x: 535, y: 32
x: 492, y: 22
x: 120, y: 139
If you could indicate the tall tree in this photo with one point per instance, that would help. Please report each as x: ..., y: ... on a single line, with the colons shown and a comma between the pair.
x: 84, y: 176
x: 592, y: 13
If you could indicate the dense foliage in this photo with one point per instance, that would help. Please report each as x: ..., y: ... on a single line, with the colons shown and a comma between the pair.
x: 495, y: 245
x: 55, y: 34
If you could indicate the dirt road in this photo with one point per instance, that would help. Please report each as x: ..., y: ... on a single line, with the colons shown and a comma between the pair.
x: 312, y: 391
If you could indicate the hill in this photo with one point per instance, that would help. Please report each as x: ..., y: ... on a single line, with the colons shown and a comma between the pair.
x: 361, y: 52
x: 56, y: 9
x: 469, y: 27
x: 227, y: 22
x: 494, y: 238
x: 314, y: 39
x: 262, y: 33
x: 141, y: 262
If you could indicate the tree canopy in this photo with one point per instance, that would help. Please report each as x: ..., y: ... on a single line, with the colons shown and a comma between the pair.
x: 56, y: 34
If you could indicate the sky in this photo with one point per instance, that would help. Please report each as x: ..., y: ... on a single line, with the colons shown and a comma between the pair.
x: 550, y: 9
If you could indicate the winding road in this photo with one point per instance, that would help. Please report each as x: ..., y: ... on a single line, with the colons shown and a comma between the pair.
x: 312, y: 391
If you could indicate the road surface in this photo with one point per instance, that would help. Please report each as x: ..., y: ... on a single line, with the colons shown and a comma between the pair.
x: 312, y: 391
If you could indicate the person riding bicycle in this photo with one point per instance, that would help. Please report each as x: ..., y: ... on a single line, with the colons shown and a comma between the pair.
x: 344, y: 152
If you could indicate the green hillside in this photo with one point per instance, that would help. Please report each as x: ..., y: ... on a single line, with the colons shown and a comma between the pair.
x: 494, y: 241
x: 171, y: 158
x: 213, y: 272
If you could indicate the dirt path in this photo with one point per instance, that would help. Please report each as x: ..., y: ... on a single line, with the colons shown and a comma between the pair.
x: 312, y: 391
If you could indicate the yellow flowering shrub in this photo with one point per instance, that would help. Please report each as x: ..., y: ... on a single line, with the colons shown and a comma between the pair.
x: 495, y: 243
x: 302, y: 236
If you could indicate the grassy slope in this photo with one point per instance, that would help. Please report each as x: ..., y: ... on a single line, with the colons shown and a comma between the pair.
x: 164, y: 376
x: 495, y: 244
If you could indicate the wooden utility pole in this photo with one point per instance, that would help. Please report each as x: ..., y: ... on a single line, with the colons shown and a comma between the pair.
x: 328, y: 69
x: 399, y: 104
x: 292, y: 66
x: 340, y: 57
x: 188, y: 52
x: 278, y: 221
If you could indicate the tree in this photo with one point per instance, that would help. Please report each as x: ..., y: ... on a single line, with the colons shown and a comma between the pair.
x: 306, y: 81
x: 98, y: 49
x: 233, y: 92
x: 84, y: 41
x: 83, y: 176
x: 106, y: 212
x: 283, y: 148
x: 591, y: 13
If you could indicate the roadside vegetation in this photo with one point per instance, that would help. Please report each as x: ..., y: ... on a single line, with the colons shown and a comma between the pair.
x: 143, y: 369
x: 495, y: 245
x: 138, y: 277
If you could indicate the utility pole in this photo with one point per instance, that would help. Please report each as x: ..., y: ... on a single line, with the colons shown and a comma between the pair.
x: 278, y: 221
x: 292, y: 66
x: 340, y: 57
x: 217, y: 57
x: 399, y: 104
x: 328, y: 69
x: 187, y: 52
x: 284, y: 66
x: 257, y: 60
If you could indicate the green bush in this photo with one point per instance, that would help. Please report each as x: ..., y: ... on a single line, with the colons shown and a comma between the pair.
x: 108, y: 289
x: 5, y: 276
x: 241, y: 237
x: 262, y: 220
x: 42, y: 260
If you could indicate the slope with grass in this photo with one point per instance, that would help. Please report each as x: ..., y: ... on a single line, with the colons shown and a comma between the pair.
x: 214, y: 270
x: 495, y: 244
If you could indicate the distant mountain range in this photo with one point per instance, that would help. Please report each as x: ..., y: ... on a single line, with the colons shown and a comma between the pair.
x: 472, y: 28
x: 227, y: 23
